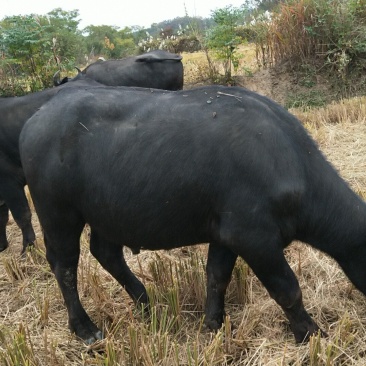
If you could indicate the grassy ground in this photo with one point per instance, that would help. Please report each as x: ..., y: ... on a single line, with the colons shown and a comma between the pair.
x: 33, y: 326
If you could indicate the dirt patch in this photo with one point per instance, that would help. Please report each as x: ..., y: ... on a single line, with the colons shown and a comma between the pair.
x: 273, y: 83
x: 289, y: 88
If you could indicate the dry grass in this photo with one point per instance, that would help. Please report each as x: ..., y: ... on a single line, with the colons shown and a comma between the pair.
x: 33, y: 327
x: 340, y: 129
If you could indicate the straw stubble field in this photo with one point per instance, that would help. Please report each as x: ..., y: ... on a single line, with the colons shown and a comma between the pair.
x: 33, y: 319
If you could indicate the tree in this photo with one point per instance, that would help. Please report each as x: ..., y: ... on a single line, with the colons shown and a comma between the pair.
x: 68, y: 41
x: 125, y: 43
x: 95, y: 37
x: 266, y: 5
x: 27, y: 50
x: 109, y: 41
x: 34, y: 47
x: 222, y: 38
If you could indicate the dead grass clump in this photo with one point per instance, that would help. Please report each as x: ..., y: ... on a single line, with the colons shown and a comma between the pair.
x: 345, y: 111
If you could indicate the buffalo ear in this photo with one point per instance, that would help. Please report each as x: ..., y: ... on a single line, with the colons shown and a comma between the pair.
x: 144, y: 58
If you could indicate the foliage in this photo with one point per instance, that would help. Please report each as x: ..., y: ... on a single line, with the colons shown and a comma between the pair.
x: 331, y: 32
x: 69, y: 44
x: 223, y: 40
x: 177, y: 24
x: 177, y: 40
x: 175, y: 43
x: 109, y: 41
x: 266, y: 5
x: 34, y: 47
x: 95, y: 38
x: 323, y: 34
x: 27, y: 48
x: 261, y: 25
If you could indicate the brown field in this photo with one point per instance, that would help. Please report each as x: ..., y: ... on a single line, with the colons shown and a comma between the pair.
x: 33, y: 326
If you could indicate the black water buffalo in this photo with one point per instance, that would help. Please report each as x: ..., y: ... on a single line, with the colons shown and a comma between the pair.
x: 158, y: 170
x: 14, y: 112
x: 156, y: 69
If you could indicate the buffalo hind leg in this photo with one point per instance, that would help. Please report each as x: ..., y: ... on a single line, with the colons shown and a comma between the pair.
x: 110, y: 256
x: 63, y: 252
x: 4, y: 218
x: 272, y: 269
x: 220, y: 264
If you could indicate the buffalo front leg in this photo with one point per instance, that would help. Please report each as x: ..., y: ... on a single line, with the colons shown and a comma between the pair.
x: 220, y: 264
x: 110, y: 256
x: 4, y: 218
x: 270, y: 266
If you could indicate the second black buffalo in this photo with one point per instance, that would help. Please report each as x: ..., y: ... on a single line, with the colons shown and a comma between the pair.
x: 155, y: 69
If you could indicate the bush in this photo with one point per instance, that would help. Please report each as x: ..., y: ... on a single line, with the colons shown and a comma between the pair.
x: 34, y: 47
x: 330, y: 31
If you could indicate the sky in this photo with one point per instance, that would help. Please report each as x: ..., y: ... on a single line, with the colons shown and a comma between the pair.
x: 120, y: 13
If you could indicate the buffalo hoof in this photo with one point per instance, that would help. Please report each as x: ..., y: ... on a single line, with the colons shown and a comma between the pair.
x: 89, y: 334
x: 26, y: 246
x: 212, y: 324
x: 96, y: 337
x: 303, y: 336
